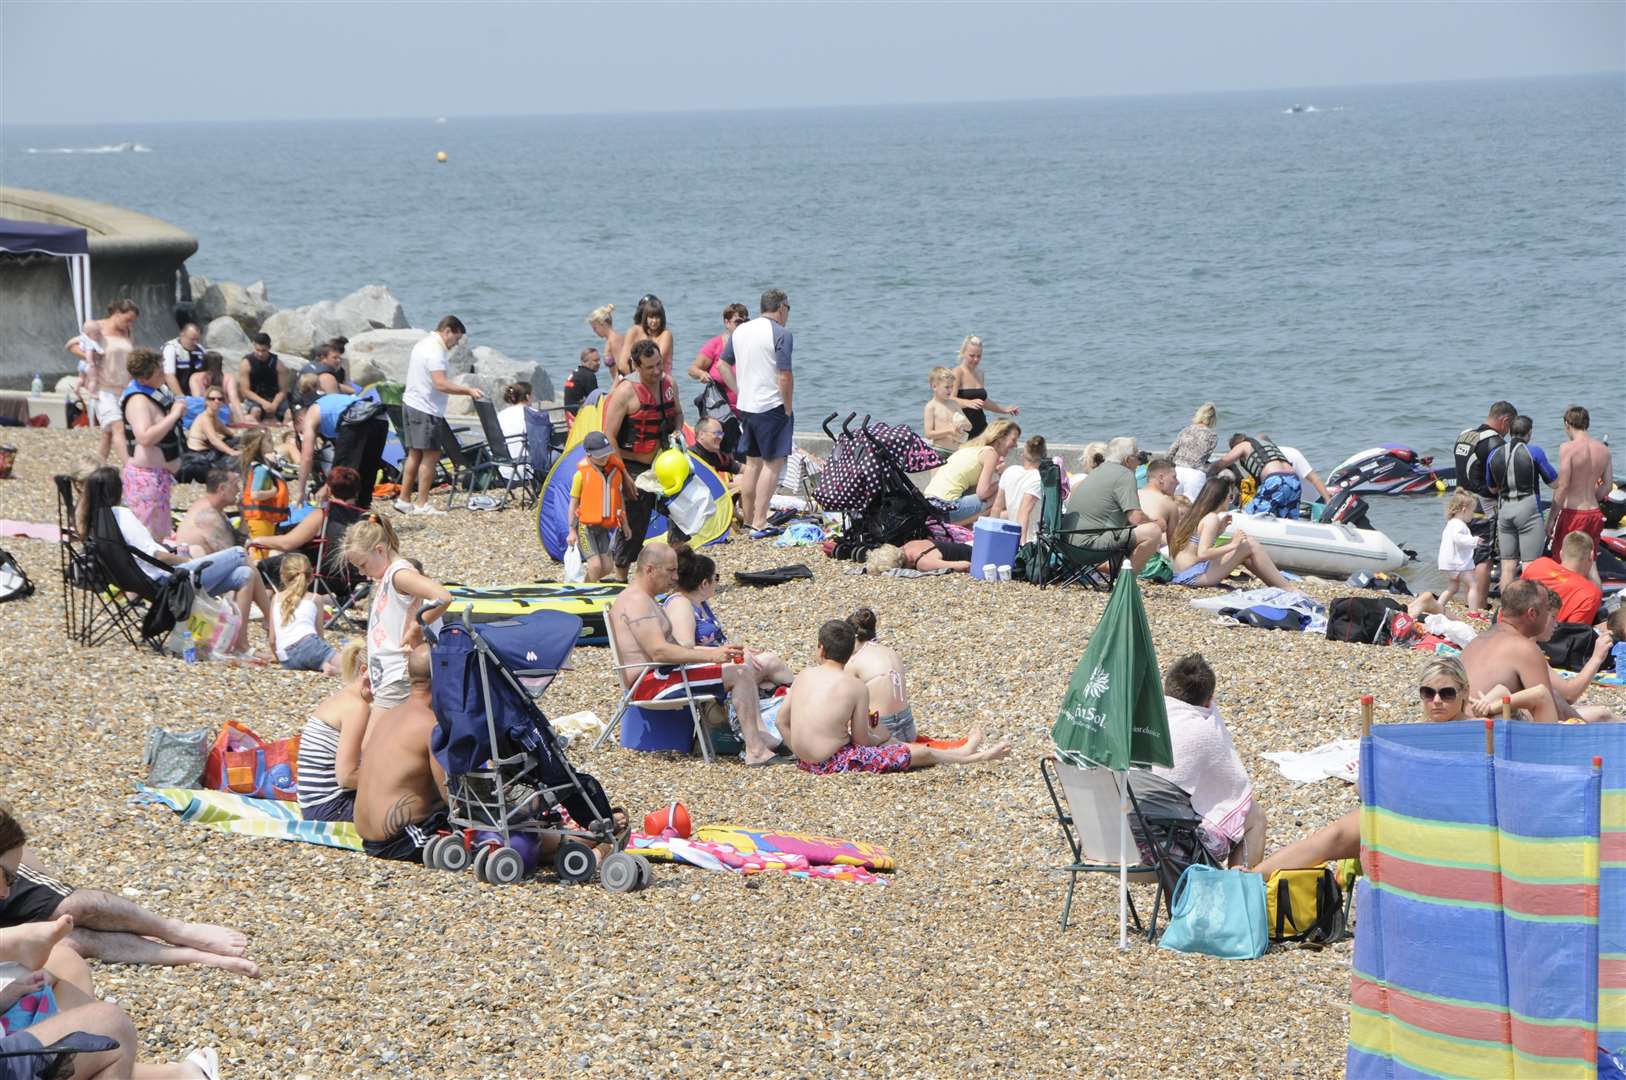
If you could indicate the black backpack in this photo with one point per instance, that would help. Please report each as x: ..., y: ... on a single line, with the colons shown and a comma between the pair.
x: 14, y: 583
x: 1361, y: 618
x: 1571, y: 645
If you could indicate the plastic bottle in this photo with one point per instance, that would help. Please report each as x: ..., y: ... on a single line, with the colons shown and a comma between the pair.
x: 37, y: 387
x: 189, y: 651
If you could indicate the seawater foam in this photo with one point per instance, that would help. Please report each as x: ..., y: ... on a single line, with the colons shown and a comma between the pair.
x: 118, y: 148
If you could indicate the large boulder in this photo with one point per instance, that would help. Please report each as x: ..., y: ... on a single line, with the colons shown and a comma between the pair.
x: 495, y: 371
x: 226, y: 337
x: 382, y: 356
x: 257, y: 292
x: 231, y: 299
x: 198, y: 285
x: 299, y: 330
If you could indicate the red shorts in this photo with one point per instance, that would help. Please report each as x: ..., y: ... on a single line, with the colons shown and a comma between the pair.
x: 666, y: 683
x: 888, y: 757
x: 1568, y: 521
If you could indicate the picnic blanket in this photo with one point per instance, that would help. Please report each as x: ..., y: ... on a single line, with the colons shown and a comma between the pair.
x: 225, y: 811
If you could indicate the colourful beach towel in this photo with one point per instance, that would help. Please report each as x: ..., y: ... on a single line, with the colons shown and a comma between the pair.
x: 228, y: 812
x: 751, y: 851
x: 1476, y: 951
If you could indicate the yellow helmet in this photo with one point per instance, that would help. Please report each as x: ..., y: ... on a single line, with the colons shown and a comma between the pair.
x: 672, y: 470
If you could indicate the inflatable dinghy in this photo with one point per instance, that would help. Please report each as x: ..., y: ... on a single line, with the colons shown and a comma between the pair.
x: 1390, y: 469
x: 1333, y: 551
x: 589, y: 600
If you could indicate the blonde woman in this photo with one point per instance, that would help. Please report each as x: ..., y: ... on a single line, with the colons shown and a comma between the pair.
x: 298, y: 613
x: 1094, y: 454
x: 971, y: 391
x: 602, y: 321
x: 392, y: 623
x: 1196, y: 440
x: 330, y: 743
x: 966, y: 485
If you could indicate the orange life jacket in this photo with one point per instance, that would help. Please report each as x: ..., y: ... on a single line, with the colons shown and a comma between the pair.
x: 644, y: 429
x: 600, y: 499
x: 262, y: 505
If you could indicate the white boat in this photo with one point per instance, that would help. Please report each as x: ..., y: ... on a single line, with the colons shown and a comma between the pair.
x: 1307, y: 547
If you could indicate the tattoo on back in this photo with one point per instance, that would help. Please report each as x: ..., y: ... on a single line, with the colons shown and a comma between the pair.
x: 402, y: 814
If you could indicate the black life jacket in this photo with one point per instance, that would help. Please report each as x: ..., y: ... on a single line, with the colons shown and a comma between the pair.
x: 1473, y: 448
x: 161, y: 399
x: 188, y: 362
x: 1514, y: 470
x: 1263, y: 453
x: 644, y: 430
x: 263, y: 377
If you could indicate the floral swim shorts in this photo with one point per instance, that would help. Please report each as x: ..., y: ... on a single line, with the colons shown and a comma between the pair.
x: 888, y: 757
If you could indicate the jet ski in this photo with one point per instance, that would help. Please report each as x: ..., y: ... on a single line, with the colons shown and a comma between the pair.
x: 1611, y: 563
x: 1391, y: 469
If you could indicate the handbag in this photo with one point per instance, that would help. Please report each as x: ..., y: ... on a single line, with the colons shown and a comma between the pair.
x: 242, y: 762
x: 1218, y: 912
x: 176, y: 758
x: 1305, y: 905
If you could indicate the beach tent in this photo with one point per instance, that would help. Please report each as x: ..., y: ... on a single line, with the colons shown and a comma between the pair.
x: 1491, y: 932
x: 553, y: 508
x: 1113, y: 716
x: 63, y: 241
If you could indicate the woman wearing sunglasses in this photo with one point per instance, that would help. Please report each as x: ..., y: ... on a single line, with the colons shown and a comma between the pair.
x: 1443, y: 693
x: 207, y: 446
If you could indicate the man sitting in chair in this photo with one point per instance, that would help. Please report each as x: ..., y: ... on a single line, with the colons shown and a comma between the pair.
x: 1207, y: 767
x: 401, y: 793
x: 1106, y: 500
x: 659, y: 669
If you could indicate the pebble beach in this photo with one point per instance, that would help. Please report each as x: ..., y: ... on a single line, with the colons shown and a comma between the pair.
x: 956, y: 966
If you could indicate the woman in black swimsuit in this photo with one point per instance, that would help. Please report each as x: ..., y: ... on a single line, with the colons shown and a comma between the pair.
x: 970, y: 389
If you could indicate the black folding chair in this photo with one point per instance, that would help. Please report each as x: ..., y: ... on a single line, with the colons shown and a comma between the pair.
x: 58, y: 1057
x: 119, y: 566
x: 79, y: 600
x: 515, y: 469
x: 467, y: 464
x: 1058, y: 555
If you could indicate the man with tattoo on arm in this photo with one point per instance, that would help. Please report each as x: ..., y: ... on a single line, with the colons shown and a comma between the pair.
x: 401, y: 793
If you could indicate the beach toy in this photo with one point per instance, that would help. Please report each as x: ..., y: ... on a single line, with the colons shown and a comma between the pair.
x: 440, y: 156
x: 671, y: 469
x: 674, y: 817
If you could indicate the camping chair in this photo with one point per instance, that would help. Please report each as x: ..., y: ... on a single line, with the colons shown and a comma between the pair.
x: 79, y: 595
x: 1058, y: 555
x: 334, y: 574
x: 60, y: 1054
x: 467, y: 464
x: 540, y: 448
x: 1090, y: 809
x: 687, y: 701
x: 119, y: 566
x: 516, y: 471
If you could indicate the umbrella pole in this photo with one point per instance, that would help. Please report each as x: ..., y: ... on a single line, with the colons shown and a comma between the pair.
x: 1123, y: 867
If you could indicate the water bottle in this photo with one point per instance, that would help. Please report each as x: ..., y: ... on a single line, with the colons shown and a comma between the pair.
x: 1618, y: 652
x: 189, y: 651
x: 37, y: 387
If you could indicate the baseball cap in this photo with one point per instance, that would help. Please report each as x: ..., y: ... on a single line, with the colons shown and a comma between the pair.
x: 597, y: 446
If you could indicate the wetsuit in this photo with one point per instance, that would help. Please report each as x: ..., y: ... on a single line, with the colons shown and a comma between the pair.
x: 1472, y: 451
x: 263, y: 379
x: 1517, y: 471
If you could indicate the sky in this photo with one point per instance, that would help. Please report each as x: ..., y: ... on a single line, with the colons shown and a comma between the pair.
x: 269, y: 60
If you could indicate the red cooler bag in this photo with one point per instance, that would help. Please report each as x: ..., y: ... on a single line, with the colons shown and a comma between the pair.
x: 242, y: 762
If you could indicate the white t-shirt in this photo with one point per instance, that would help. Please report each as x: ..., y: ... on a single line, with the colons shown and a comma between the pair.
x: 296, y: 629
x: 386, y: 626
x: 1189, y: 482
x: 420, y: 393
x: 1456, y: 547
x: 1301, y: 464
x: 136, y: 535
x: 759, y: 350
x: 512, y: 422
x: 1015, y: 482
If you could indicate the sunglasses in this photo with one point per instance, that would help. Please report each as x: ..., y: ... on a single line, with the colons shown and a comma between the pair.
x: 1444, y: 693
x: 215, y: 397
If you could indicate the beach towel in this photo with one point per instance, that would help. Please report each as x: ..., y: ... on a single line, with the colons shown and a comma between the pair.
x: 31, y: 530
x: 1207, y: 767
x: 724, y: 857
x: 1337, y: 760
x: 1280, y: 598
x: 225, y: 811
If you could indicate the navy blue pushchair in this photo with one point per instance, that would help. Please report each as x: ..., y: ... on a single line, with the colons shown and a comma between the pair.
x: 509, y: 784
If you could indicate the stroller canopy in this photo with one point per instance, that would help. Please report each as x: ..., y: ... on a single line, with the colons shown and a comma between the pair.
x: 486, y: 677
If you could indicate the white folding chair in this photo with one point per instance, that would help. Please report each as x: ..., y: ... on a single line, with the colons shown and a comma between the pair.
x: 688, y: 701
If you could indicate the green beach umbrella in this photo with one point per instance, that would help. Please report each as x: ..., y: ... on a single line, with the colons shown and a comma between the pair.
x: 1113, y: 715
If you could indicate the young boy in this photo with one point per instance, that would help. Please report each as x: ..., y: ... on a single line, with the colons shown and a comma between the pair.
x: 598, y: 505
x: 944, y: 424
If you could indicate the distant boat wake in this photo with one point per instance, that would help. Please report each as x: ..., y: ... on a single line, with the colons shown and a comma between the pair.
x: 1291, y: 109
x: 119, y: 148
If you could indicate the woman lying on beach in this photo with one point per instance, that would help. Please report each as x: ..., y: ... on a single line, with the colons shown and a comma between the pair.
x: 694, y: 624
x: 922, y: 555
x: 1443, y: 691
x: 330, y: 743
x: 1200, y: 560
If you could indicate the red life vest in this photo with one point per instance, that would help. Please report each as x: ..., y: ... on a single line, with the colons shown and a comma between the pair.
x: 644, y: 429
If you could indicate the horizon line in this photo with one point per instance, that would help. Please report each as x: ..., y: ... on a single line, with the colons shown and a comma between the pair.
x: 916, y: 104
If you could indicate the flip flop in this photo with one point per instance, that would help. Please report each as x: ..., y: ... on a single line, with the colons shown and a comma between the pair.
x: 207, y: 1061
x: 777, y: 759
x: 763, y: 534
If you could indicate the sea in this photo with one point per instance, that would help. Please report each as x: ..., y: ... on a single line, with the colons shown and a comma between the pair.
x: 1336, y: 268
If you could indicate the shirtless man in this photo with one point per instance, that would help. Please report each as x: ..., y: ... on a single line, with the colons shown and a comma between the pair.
x: 1157, y: 497
x: 205, y: 526
x: 401, y: 796
x: 1279, y: 487
x: 662, y: 670
x: 1583, y: 480
x: 1507, y: 656
x: 826, y: 720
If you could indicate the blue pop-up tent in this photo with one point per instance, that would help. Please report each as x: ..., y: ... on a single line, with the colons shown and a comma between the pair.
x: 64, y: 241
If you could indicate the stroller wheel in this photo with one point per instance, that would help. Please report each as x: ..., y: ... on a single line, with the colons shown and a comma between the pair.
x: 480, y: 858
x: 503, y: 866
x: 620, y: 874
x: 453, y: 855
x: 431, y: 851
x: 646, y: 873
x: 574, y: 862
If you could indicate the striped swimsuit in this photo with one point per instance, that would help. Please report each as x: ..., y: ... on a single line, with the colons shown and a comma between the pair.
x: 320, y: 796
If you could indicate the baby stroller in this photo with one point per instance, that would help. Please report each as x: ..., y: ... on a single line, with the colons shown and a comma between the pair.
x: 509, y: 784
x: 867, y: 478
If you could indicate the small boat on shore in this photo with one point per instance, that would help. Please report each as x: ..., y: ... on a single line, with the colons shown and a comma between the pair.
x: 1306, y: 547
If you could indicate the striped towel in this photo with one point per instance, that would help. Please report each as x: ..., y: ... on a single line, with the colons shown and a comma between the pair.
x: 229, y: 812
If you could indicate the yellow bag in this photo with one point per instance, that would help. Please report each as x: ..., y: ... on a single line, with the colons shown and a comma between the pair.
x: 1305, y: 905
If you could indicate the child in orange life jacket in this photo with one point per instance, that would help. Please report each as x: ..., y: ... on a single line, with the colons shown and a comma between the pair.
x: 598, y: 505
